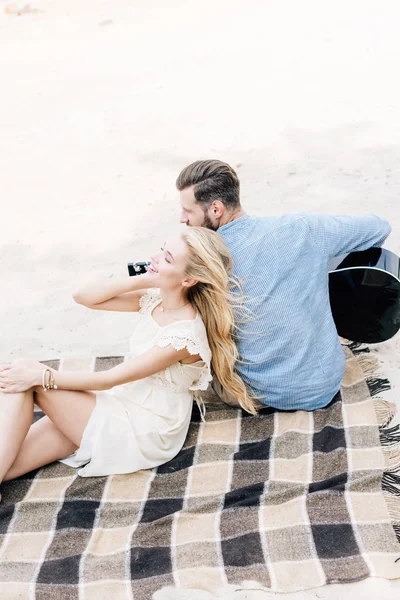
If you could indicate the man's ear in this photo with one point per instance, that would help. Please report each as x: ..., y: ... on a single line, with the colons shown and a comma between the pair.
x: 189, y: 282
x: 217, y: 208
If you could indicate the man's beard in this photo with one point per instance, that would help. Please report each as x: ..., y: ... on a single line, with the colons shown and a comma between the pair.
x: 208, y: 223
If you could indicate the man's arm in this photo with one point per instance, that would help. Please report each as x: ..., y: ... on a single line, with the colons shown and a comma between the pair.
x: 340, y: 234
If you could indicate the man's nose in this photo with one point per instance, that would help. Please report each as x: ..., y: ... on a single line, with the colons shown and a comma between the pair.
x: 184, y: 219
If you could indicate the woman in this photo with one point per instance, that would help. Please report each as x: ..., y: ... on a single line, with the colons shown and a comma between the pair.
x: 185, y: 326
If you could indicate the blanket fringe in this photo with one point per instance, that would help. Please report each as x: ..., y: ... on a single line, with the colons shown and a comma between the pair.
x: 397, y: 531
x: 370, y: 366
x: 369, y: 363
x: 394, y: 509
x: 393, y: 506
x: 357, y: 348
x: 391, y: 485
x: 376, y: 385
x: 390, y: 444
x: 390, y: 436
x: 385, y: 411
x: 391, y: 493
x: 392, y: 459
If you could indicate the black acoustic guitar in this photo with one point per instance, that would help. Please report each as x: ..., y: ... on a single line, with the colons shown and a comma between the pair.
x: 364, y: 289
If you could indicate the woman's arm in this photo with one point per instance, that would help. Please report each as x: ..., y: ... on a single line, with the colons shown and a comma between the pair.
x: 18, y: 379
x: 121, y: 294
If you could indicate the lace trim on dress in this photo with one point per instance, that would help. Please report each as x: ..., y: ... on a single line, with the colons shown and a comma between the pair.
x: 189, y: 340
x: 147, y: 301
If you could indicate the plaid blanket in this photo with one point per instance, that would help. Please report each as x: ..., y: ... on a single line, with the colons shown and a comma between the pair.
x: 291, y: 500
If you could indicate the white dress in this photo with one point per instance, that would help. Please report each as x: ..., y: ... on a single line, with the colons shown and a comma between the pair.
x: 143, y: 424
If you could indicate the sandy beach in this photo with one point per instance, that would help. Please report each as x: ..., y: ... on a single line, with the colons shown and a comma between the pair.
x: 103, y: 103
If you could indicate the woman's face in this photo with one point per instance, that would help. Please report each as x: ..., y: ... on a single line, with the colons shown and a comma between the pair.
x: 168, y: 266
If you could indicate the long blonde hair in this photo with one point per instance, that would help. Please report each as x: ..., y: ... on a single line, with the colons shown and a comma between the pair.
x: 209, y: 263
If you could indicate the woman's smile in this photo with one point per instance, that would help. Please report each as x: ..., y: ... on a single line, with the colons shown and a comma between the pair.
x: 152, y: 268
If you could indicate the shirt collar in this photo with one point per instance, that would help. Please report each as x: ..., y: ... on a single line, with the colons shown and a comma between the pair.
x: 233, y: 223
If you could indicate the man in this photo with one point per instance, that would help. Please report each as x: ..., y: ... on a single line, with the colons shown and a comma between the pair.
x: 290, y: 353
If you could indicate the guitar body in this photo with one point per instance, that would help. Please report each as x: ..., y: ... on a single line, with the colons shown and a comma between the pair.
x: 364, y: 289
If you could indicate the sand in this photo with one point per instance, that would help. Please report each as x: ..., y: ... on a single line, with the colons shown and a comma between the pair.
x: 102, y: 103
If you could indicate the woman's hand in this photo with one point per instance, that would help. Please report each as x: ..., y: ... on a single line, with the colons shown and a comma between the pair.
x: 19, y: 379
x: 149, y: 280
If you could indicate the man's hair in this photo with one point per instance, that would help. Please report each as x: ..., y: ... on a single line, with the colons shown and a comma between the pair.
x: 211, y: 180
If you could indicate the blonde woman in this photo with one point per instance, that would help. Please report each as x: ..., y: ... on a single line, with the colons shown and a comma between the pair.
x: 135, y: 415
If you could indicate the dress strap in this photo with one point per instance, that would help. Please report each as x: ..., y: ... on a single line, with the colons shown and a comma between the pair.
x: 200, y: 405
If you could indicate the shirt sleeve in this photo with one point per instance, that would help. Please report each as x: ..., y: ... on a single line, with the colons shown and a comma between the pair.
x: 340, y: 234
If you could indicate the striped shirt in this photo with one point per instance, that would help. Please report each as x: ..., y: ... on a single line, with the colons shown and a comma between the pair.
x: 289, y: 351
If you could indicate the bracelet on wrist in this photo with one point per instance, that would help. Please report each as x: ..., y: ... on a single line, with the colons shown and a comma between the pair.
x: 48, y: 382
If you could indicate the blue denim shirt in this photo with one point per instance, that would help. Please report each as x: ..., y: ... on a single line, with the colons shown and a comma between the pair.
x: 289, y: 350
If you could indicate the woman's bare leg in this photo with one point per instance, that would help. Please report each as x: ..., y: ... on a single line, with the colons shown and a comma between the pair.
x: 43, y: 445
x: 58, y: 434
x: 69, y: 411
x: 16, y: 412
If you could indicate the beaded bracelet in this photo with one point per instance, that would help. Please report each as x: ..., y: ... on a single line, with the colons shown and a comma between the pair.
x: 48, y: 380
x: 53, y: 385
x: 43, y: 379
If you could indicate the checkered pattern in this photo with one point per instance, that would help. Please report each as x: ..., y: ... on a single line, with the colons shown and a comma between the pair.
x: 291, y: 500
